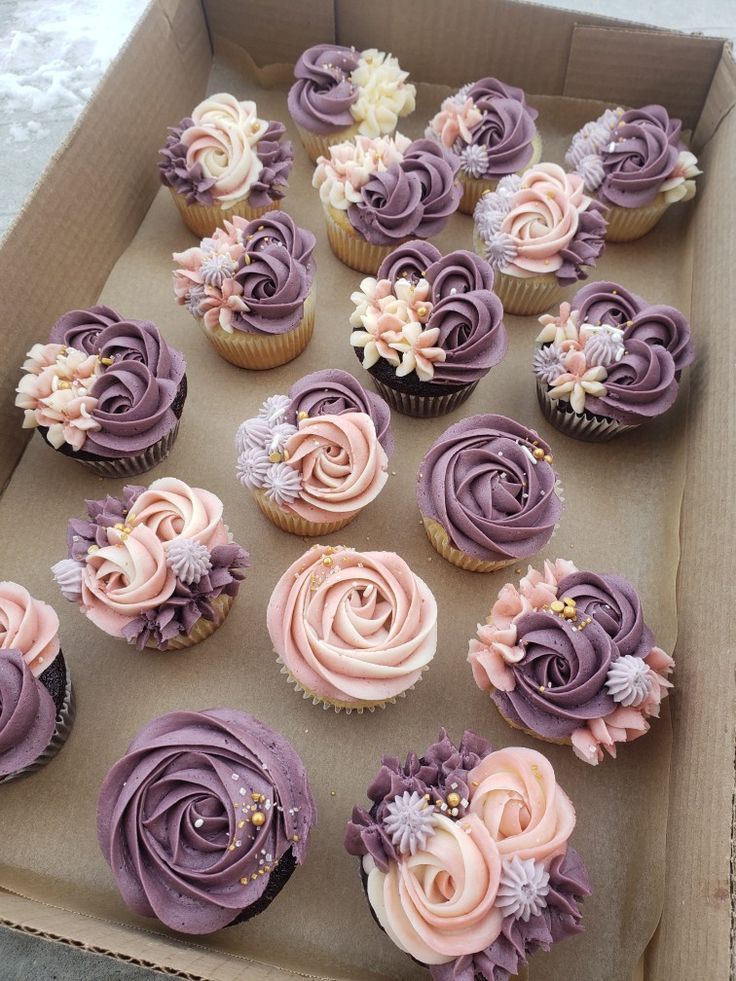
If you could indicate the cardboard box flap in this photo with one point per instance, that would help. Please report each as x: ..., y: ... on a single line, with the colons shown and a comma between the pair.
x: 721, y: 98
x: 283, y: 28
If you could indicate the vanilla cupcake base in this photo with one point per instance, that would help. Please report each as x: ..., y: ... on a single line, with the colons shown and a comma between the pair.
x: 203, y: 219
x: 259, y: 352
x: 523, y: 296
x: 350, y: 247
x: 347, y: 707
x: 318, y: 144
x: 629, y: 224
x: 293, y: 523
x: 64, y: 722
x: 440, y: 541
x: 474, y: 188
x: 584, y: 426
x: 201, y: 630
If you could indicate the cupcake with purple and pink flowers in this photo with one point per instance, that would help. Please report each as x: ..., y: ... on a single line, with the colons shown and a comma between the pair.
x: 491, y: 128
x: 380, y: 192
x: 609, y: 361
x: 340, y: 93
x: 250, y: 287
x: 567, y: 657
x: 428, y: 328
x: 106, y: 391
x: 637, y: 164
x: 224, y: 160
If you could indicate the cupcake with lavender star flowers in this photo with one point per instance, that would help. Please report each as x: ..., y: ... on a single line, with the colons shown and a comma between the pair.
x: 540, y: 232
x: 428, y: 328
x: 313, y: 475
x: 490, y: 126
x: 224, y: 160
x: 567, y: 657
x: 636, y: 163
x: 609, y: 361
x: 487, y: 493
x: 340, y: 93
x: 204, y: 819
x: 156, y: 566
x: 251, y: 288
x: 379, y: 192
x: 465, y: 858
x: 36, y: 697
x: 105, y: 391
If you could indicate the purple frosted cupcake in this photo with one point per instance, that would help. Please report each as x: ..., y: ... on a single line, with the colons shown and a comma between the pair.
x: 223, y: 161
x: 340, y: 93
x: 428, y: 328
x: 106, y: 391
x: 250, y: 286
x: 637, y: 164
x: 609, y: 362
x: 490, y: 126
x: 204, y: 819
x: 487, y: 493
x: 378, y: 193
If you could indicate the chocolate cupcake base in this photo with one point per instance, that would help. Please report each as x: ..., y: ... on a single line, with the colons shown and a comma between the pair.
x: 424, y: 406
x: 584, y: 426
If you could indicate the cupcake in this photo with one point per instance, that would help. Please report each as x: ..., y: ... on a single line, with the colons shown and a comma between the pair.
x: 487, y: 493
x: 106, y: 391
x: 156, y: 566
x: 204, y: 819
x: 352, y: 630
x: 379, y: 192
x: 428, y: 336
x: 250, y: 286
x: 312, y: 474
x: 567, y: 657
x: 223, y: 161
x: 635, y: 162
x: 340, y: 93
x: 465, y: 858
x: 490, y: 127
x: 609, y: 362
x: 36, y: 700
x: 539, y: 232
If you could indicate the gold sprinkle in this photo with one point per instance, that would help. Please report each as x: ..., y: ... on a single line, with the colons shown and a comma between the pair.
x: 93, y: 548
x: 557, y: 606
x: 295, y: 837
x: 302, y: 415
x: 231, y: 848
x: 119, y: 527
x: 474, y: 783
x: 538, y: 453
x: 547, y: 458
x: 422, y: 311
x: 275, y: 457
x: 453, y: 799
x: 569, y: 613
x: 247, y: 259
x: 260, y: 228
x: 106, y: 361
x: 326, y: 560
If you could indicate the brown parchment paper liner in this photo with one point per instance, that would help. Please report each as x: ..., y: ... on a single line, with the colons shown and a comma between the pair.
x: 622, y: 515
x: 579, y: 425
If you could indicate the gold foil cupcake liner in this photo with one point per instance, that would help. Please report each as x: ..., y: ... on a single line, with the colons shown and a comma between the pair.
x: 347, y: 707
x: 201, y: 630
x: 629, y: 224
x: 259, y: 352
x: 132, y: 466
x: 318, y: 144
x: 474, y: 188
x: 203, y: 219
x: 351, y: 248
x: 293, y: 523
x: 424, y: 406
x: 64, y: 723
x: 590, y: 428
x: 440, y: 541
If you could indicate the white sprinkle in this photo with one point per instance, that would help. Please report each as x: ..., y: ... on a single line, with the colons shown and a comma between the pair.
x: 267, y: 805
x: 199, y: 822
x: 234, y: 776
x: 453, y: 291
x: 464, y: 802
x: 453, y: 786
x: 530, y: 455
x: 454, y: 812
x: 611, y: 146
x: 242, y: 791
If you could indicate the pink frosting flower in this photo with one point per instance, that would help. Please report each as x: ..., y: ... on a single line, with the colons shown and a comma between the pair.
x: 560, y: 329
x: 418, y: 351
x: 29, y: 626
x: 490, y: 655
x: 455, y: 120
x: 660, y: 665
x: 539, y: 586
x: 578, y: 380
x: 172, y: 509
x: 68, y: 417
x: 621, y: 726
x: 222, y: 306
x: 41, y: 356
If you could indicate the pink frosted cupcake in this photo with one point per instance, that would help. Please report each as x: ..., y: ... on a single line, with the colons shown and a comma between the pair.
x: 36, y: 698
x: 465, y: 858
x: 567, y: 657
x: 224, y: 160
x: 539, y: 232
x: 156, y: 567
x: 352, y: 630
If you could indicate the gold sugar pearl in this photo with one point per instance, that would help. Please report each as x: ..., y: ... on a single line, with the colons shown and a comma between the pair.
x: 557, y: 606
x: 453, y: 799
x: 247, y: 259
x: 258, y: 818
x: 302, y: 415
x: 326, y: 560
x: 422, y: 311
x: 275, y: 457
x: 568, y: 601
x: 547, y: 458
x: 569, y: 613
x: 538, y: 453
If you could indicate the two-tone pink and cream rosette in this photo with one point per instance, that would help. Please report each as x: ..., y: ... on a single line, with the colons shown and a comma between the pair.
x: 352, y: 630
x: 28, y: 625
x: 156, y: 567
x: 313, y: 478
x: 465, y: 857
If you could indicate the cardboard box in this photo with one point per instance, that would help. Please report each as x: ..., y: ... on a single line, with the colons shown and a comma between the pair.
x: 79, y: 223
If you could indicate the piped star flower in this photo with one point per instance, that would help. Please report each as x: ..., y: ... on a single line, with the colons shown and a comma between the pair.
x: 418, y: 351
x: 578, y: 381
x: 378, y: 338
x: 455, y: 120
x: 557, y: 330
x: 680, y: 185
x: 221, y: 307
x: 409, y: 821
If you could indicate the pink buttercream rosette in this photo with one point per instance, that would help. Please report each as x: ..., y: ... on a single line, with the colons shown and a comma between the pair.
x: 550, y: 678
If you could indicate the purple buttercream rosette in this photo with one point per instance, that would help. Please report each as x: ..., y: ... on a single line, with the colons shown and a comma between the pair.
x: 320, y: 98
x: 465, y: 858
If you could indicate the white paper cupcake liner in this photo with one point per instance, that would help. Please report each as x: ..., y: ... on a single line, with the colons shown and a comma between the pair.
x: 318, y: 144
x: 64, y: 723
x: 201, y: 630
x: 424, y: 406
x: 346, y: 707
x: 629, y: 224
x: 131, y: 466
x: 592, y: 429
x: 203, y: 219
x: 294, y: 523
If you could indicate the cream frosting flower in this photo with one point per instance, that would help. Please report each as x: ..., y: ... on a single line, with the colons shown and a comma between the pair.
x: 680, y: 185
x: 560, y: 328
x: 578, y: 380
x: 350, y: 165
x: 383, y: 93
x: 68, y: 418
x: 455, y: 120
x: 419, y: 351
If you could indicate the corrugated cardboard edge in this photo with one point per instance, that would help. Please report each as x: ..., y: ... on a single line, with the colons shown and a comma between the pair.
x: 84, y: 230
